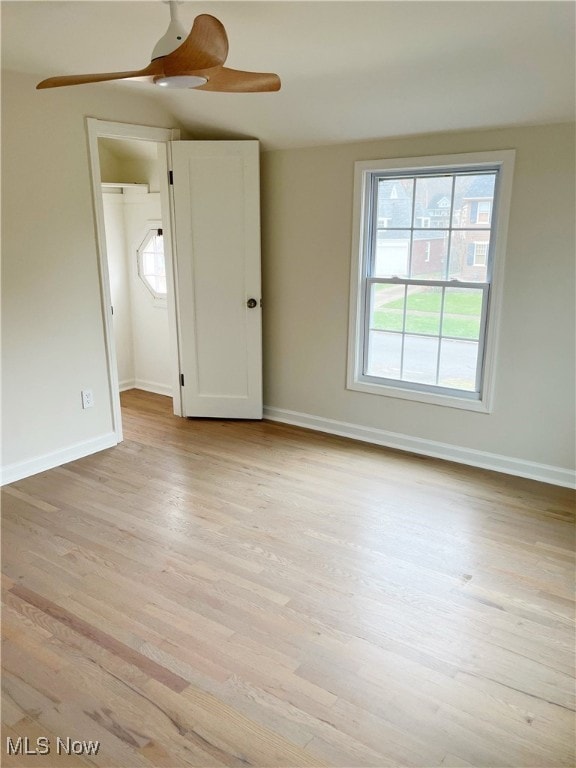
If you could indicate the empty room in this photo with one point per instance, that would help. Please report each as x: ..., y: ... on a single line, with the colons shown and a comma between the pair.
x: 288, y: 383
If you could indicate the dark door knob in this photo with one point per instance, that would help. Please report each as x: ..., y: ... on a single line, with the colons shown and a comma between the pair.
x: 251, y: 303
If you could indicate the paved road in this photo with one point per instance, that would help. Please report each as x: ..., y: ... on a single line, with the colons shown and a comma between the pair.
x: 457, y: 359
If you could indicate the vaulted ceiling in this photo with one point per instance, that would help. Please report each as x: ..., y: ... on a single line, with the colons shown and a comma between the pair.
x: 350, y: 70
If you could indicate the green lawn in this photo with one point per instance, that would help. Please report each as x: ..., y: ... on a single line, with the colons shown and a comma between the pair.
x: 455, y: 303
x: 461, y: 314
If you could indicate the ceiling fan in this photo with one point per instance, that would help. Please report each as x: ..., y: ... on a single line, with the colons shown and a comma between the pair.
x: 198, y: 62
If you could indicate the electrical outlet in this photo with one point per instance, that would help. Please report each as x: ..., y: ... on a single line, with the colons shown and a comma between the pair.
x: 87, y: 398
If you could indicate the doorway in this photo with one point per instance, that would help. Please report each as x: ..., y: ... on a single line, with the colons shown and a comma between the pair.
x: 210, y: 222
x: 136, y: 263
x: 132, y: 209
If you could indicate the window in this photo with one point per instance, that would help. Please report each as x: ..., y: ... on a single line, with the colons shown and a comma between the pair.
x: 151, y: 263
x: 483, y: 209
x: 480, y: 254
x: 425, y: 298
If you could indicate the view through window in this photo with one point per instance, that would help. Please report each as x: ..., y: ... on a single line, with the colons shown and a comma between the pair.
x: 422, y: 327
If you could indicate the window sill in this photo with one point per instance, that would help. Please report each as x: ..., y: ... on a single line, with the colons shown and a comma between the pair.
x: 429, y: 398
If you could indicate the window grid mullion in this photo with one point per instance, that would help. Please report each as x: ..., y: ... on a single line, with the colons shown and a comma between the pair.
x: 367, y: 298
x: 373, y: 226
x: 450, y: 222
x: 403, y: 331
x: 427, y: 283
x: 426, y: 335
x: 411, y: 234
x: 482, y: 338
x: 370, y: 230
x: 439, y: 229
x: 440, y: 335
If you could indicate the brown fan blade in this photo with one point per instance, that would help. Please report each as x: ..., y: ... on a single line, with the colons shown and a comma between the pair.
x: 236, y: 81
x: 205, y: 47
x: 153, y: 69
x: 202, y: 54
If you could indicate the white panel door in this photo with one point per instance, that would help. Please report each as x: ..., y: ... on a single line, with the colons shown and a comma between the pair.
x: 217, y: 242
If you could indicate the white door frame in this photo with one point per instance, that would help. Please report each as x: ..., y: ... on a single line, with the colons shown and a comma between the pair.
x: 105, y: 129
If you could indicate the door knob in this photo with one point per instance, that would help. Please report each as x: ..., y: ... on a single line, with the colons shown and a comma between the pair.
x: 251, y: 303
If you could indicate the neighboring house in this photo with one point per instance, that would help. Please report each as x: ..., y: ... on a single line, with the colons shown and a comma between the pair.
x: 467, y: 249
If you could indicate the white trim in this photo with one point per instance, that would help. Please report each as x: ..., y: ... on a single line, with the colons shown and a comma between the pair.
x: 433, y: 398
x: 363, y: 172
x: 153, y: 386
x: 20, y: 470
x: 544, y: 473
x: 147, y: 386
x: 168, y: 224
x: 114, y: 186
x: 131, y: 131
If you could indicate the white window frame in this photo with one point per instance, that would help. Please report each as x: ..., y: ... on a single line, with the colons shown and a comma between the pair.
x: 503, y: 161
x: 159, y: 298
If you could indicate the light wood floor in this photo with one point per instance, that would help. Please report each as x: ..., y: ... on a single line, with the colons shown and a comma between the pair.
x: 231, y: 594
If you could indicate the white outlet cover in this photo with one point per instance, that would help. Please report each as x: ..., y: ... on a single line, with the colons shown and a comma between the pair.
x: 87, y: 398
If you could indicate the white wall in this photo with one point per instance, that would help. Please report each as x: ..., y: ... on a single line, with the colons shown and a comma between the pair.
x: 141, y: 171
x: 152, y: 365
x: 307, y: 225
x: 110, y: 164
x: 116, y: 165
x: 53, y: 342
x: 140, y: 320
x: 119, y: 284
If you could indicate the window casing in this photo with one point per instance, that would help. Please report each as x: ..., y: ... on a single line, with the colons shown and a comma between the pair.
x: 425, y: 298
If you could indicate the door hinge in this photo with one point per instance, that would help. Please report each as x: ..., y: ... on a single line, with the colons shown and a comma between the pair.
x: 171, y: 177
x: 181, y: 379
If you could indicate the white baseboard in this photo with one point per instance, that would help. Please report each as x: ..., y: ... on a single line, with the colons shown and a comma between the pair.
x: 496, y: 462
x: 147, y: 386
x: 542, y: 472
x: 19, y: 470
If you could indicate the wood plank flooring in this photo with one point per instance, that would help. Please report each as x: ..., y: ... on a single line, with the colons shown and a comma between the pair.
x: 219, y: 593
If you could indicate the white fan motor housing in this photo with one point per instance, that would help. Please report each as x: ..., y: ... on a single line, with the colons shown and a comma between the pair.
x: 173, y: 37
